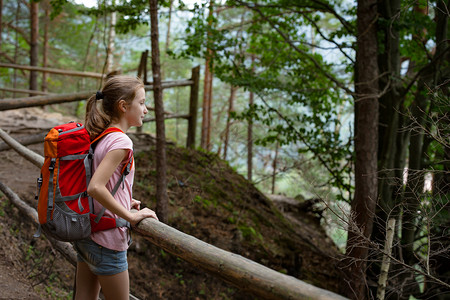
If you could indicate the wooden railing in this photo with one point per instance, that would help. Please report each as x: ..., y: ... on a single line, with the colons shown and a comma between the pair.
x: 245, y: 274
x: 193, y: 82
x: 52, y: 70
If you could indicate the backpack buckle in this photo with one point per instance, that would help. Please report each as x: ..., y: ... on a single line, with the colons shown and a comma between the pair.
x: 52, y: 164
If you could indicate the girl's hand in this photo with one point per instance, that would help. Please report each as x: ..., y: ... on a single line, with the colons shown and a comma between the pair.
x: 142, y: 214
x: 136, y: 204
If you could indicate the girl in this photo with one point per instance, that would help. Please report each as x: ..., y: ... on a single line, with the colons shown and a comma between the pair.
x: 102, y: 259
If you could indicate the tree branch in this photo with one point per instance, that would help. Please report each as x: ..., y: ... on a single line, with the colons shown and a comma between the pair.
x: 297, y: 49
x: 329, y: 40
x: 18, y: 30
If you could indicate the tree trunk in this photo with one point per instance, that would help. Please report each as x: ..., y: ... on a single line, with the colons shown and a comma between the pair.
x: 205, y: 141
x: 415, y: 180
x: 45, y: 48
x: 142, y: 69
x: 82, y: 82
x: 274, y: 167
x: 389, y: 64
x: 413, y: 190
x: 111, y: 38
x: 193, y: 104
x: 250, y: 132
x: 366, y: 144
x: 168, y: 25
x: 34, y: 46
x: 390, y: 230
x: 206, y: 107
x: 441, y: 184
x: 16, y: 48
x: 1, y: 25
x: 161, y: 165
x: 392, y: 142
x: 227, y: 129
x: 418, y: 155
x: 250, y: 143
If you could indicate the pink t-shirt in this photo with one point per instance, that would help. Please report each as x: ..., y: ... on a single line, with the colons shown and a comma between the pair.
x: 116, y: 238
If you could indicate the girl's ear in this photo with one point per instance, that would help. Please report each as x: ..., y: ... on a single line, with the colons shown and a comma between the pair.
x: 122, y: 106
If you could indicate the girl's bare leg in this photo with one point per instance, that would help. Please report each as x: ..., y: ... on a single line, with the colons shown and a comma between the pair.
x: 87, y: 284
x: 115, y: 286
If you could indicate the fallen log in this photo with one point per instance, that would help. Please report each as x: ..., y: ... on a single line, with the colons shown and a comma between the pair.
x: 32, y: 156
x: 25, y: 141
x: 247, y: 275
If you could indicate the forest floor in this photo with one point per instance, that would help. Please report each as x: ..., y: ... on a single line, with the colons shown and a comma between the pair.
x: 208, y: 200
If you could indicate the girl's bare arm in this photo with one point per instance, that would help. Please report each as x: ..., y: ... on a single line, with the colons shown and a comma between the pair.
x: 97, y: 188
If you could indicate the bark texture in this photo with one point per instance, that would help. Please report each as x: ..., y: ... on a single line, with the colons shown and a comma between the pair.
x: 34, y: 46
x: 205, y: 141
x: 161, y: 165
x: 366, y: 144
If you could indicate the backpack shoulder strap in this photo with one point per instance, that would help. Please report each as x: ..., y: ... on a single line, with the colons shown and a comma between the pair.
x: 125, y: 170
x: 105, y: 132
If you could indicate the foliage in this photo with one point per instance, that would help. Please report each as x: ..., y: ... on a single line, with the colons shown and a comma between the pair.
x: 298, y: 58
x: 289, y: 74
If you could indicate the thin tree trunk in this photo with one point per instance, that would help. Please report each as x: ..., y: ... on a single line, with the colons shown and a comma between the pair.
x: 168, y: 25
x: 142, y: 69
x: 193, y: 104
x: 390, y: 230
x: 205, y: 141
x: 250, y: 142
x: 416, y: 176
x: 34, y: 47
x: 45, y: 48
x: 391, y: 143
x: 16, y: 48
x: 111, y: 46
x: 227, y: 129
x: 97, y: 57
x: 1, y: 25
x: 177, y: 110
x: 366, y: 145
x: 82, y: 82
x: 161, y: 165
x: 250, y: 133
x: 418, y: 156
x: 274, y: 167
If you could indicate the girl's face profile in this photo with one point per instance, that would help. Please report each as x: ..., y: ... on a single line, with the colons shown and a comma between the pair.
x: 136, y: 110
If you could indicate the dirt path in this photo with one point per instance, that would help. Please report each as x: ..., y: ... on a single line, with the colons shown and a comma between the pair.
x: 14, y: 286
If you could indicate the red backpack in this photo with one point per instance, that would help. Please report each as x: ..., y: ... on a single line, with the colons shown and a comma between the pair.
x: 65, y: 209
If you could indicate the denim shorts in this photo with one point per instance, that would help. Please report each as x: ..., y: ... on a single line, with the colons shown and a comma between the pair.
x: 101, y: 260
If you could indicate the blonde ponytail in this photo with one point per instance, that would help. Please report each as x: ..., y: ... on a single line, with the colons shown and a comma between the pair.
x: 102, y: 110
x: 96, y: 121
